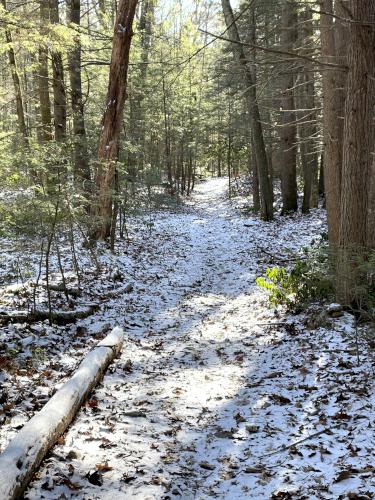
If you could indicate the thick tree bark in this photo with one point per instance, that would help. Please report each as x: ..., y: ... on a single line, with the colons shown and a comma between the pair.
x: 252, y: 156
x: 333, y: 103
x: 59, y: 94
x: 81, y: 163
x: 43, y: 76
x: 112, y: 121
x: 358, y: 143
x: 253, y: 109
x: 17, y: 85
x: 371, y: 205
x: 307, y: 128
x: 288, y: 130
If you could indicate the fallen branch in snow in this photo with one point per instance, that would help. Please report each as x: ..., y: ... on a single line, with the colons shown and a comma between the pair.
x: 26, y: 451
x: 296, y: 443
x: 57, y: 287
x: 256, y: 383
x: 278, y: 258
x: 115, y: 293
x: 74, y: 292
x: 58, y: 317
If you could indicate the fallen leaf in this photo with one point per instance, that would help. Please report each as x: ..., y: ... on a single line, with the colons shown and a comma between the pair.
x: 92, y: 403
x: 345, y: 474
x: 278, y: 398
x: 95, y: 478
x: 341, y: 416
x: 207, y: 466
x: 103, y: 467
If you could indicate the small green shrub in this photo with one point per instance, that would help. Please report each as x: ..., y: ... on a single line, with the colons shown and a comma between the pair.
x: 309, y: 280
x: 279, y: 285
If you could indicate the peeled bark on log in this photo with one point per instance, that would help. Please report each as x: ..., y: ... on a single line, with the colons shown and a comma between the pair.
x: 57, y: 317
x: 26, y: 451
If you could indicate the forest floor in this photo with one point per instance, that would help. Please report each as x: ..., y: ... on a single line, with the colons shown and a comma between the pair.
x: 215, y: 394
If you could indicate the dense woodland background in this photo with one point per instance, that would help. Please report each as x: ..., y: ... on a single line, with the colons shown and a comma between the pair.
x: 280, y: 91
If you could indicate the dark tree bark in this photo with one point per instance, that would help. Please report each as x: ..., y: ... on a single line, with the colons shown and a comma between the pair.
x: 371, y: 205
x: 81, y: 163
x: 288, y: 129
x: 59, y: 94
x: 112, y: 120
x: 17, y: 85
x: 307, y: 128
x: 43, y: 76
x: 253, y: 109
x: 333, y: 103
x: 358, y: 142
x: 252, y: 157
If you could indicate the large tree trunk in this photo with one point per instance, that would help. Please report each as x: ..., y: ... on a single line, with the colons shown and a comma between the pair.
x: 333, y: 103
x: 288, y: 129
x: 252, y: 156
x: 59, y: 94
x: 43, y: 83
x: 371, y: 205
x: 112, y: 120
x: 81, y: 163
x: 307, y: 128
x: 17, y: 85
x: 253, y: 109
x: 358, y: 144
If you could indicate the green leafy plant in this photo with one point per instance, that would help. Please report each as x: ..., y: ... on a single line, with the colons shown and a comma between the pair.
x: 278, y: 283
x: 309, y: 280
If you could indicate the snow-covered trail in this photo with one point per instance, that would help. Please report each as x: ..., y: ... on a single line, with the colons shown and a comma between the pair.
x: 199, y: 398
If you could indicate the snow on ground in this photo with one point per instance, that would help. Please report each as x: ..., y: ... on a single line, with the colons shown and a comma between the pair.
x: 215, y: 395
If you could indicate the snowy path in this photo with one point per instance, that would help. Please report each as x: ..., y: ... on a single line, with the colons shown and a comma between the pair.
x: 205, y: 390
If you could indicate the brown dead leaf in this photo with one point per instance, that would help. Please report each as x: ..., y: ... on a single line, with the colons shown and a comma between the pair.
x: 207, y: 466
x: 341, y: 416
x: 282, y: 400
x: 345, y: 474
x: 72, y: 486
x: 92, y: 403
x: 103, y: 467
x: 61, y: 440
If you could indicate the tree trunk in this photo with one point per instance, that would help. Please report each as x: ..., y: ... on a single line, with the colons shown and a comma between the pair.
x: 253, y: 109
x: 358, y: 144
x: 167, y: 140
x: 112, y: 120
x: 255, y: 179
x: 333, y: 104
x: 17, y: 85
x: 43, y: 83
x: 81, y: 163
x: 288, y: 129
x: 371, y: 206
x: 307, y: 128
x: 136, y: 159
x: 59, y: 94
x: 252, y: 155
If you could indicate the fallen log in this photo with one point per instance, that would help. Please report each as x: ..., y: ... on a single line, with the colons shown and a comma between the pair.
x: 58, y: 317
x: 115, y: 293
x: 25, y: 452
